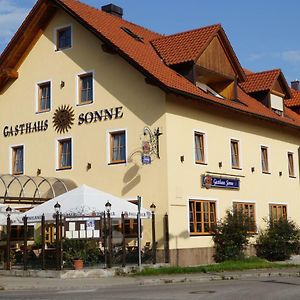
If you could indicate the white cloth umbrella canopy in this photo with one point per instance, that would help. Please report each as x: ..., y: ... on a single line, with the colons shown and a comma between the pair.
x: 15, y: 216
x: 85, y: 201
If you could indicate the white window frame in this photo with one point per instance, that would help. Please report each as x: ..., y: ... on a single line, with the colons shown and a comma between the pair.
x: 294, y: 158
x: 240, y: 153
x: 250, y: 202
x: 57, y: 145
x: 269, y: 159
x: 108, y: 140
x: 11, y: 147
x: 37, y: 93
x: 77, y: 85
x: 56, y: 29
x: 277, y: 203
x: 188, y: 213
x: 205, y: 147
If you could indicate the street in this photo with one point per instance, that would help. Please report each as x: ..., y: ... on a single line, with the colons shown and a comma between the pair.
x: 256, y: 288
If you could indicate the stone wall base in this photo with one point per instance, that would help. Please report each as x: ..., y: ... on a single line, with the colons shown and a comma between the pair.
x: 195, y: 256
x: 191, y: 256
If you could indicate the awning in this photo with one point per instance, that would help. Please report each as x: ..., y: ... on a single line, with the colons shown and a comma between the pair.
x: 15, y: 216
x: 85, y: 201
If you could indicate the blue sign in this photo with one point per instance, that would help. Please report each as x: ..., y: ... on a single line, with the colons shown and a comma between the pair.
x: 146, y: 160
x: 209, y: 181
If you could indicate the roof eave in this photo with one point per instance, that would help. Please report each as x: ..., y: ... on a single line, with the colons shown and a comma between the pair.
x: 208, y: 101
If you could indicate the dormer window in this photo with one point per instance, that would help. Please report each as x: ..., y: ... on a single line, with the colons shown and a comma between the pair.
x: 204, y: 87
x: 276, y: 104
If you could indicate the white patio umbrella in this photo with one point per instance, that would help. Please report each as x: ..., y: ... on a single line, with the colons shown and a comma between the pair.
x: 15, y: 216
x: 85, y: 201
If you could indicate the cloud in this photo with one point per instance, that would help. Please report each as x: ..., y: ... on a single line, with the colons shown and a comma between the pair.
x: 256, y: 56
x: 11, y: 17
x: 292, y: 56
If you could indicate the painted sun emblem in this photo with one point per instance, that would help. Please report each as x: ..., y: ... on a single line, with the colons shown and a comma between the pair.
x: 63, y: 118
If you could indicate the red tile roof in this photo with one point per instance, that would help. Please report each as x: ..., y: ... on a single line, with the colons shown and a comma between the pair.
x: 144, y: 57
x: 185, y: 46
x: 188, y: 46
x: 295, y: 100
x: 258, y: 82
x: 247, y: 71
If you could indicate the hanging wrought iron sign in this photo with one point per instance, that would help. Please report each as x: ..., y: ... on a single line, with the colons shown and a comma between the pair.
x: 209, y: 181
x: 150, y: 144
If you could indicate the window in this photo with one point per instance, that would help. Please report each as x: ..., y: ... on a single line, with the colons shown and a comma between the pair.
x: 264, y: 160
x: 199, y: 148
x: 18, y: 160
x: 44, y: 96
x: 202, y: 216
x: 65, y: 154
x: 17, y: 233
x: 49, y: 233
x: 86, y: 88
x: 117, y: 147
x: 130, y: 225
x: 64, y: 38
x: 291, y: 164
x: 277, y: 211
x: 235, y: 159
x: 248, y: 210
x: 276, y: 103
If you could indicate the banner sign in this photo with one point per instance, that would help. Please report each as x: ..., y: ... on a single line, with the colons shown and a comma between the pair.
x: 209, y: 181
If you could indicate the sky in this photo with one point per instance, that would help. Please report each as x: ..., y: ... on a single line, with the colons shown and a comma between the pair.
x: 263, y: 33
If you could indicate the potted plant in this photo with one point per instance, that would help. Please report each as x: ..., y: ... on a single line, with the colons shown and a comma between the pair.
x: 80, y: 251
x: 75, y: 252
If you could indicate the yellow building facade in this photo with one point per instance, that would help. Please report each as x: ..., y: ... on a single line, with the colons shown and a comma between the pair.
x: 108, y: 103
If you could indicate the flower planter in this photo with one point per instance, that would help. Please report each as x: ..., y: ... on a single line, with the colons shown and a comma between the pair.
x: 78, y: 264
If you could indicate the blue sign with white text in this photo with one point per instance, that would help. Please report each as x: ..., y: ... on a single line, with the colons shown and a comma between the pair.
x: 146, y: 160
x: 220, y: 182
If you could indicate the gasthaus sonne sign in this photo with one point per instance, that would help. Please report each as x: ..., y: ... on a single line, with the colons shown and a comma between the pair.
x: 209, y: 181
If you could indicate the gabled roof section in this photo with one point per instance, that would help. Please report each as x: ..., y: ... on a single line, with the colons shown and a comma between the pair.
x: 20, y: 45
x: 188, y: 46
x: 295, y: 100
x: 265, y: 81
x: 139, y: 52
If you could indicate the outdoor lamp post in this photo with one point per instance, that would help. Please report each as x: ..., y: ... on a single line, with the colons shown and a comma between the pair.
x: 43, y: 241
x: 57, y: 231
x: 8, y: 230
x: 152, y: 208
x: 108, y: 208
x: 25, y: 243
x: 139, y: 200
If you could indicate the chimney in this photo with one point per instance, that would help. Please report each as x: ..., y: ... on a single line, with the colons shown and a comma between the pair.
x: 113, y: 10
x: 295, y: 85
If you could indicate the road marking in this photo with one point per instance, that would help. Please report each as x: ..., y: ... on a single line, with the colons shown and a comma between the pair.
x: 77, y: 291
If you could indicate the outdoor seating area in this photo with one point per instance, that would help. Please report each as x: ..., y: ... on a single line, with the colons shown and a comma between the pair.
x: 99, y: 234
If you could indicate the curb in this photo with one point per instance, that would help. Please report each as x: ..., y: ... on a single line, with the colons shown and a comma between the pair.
x: 212, y: 277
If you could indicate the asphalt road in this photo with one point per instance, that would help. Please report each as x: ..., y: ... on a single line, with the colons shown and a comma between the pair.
x: 264, y: 288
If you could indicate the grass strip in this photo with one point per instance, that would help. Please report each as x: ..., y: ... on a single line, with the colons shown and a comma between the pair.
x: 236, y: 265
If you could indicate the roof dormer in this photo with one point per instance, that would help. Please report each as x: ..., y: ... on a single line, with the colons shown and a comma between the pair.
x: 268, y: 87
x: 205, y: 57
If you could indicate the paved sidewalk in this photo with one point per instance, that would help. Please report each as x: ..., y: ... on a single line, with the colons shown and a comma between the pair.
x: 30, y: 283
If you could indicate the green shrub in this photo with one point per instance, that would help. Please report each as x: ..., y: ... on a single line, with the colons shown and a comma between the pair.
x: 87, y: 250
x: 230, y: 236
x: 278, y: 241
